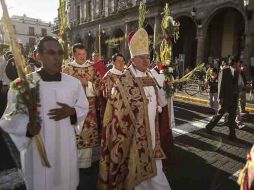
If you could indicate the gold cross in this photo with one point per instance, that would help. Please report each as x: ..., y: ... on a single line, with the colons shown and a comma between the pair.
x: 149, y: 96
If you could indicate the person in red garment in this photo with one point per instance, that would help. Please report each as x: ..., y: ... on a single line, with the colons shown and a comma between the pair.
x: 98, y: 64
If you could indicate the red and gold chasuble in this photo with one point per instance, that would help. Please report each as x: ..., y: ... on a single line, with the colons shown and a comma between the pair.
x: 108, y: 81
x: 89, y: 136
x: 127, y: 157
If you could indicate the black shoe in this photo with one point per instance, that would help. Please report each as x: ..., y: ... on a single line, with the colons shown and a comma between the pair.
x: 232, y: 125
x: 240, y: 125
x: 209, y: 129
x: 232, y: 138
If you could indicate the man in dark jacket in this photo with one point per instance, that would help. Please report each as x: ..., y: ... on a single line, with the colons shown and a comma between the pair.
x: 228, y: 97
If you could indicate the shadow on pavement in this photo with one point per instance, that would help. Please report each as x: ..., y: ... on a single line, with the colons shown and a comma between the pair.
x: 219, y: 136
x: 193, y: 172
x: 214, y: 147
x: 248, y: 129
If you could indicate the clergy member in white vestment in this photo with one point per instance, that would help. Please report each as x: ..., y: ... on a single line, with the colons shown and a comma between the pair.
x: 64, y: 107
x: 110, y: 78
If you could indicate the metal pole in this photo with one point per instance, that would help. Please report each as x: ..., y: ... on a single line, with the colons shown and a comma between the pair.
x: 154, y: 36
x: 99, y: 40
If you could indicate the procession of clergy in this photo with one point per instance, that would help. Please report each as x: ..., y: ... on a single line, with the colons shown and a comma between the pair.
x: 123, y: 111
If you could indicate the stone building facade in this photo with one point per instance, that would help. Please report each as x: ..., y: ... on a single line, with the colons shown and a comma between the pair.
x: 209, y: 29
x: 27, y: 30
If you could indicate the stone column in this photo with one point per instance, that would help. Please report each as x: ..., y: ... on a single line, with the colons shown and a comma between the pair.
x: 249, y: 44
x: 115, y: 5
x: 93, y: 9
x: 158, y: 32
x: 81, y: 12
x: 84, y: 10
x: 110, y: 34
x: 249, y: 37
x: 127, y: 30
x: 200, y: 45
x: 98, y: 5
x: 248, y: 53
x: 106, y: 7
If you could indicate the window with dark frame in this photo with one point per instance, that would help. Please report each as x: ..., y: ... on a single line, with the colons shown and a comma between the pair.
x: 44, y: 32
x: 31, y: 31
x: 32, y: 42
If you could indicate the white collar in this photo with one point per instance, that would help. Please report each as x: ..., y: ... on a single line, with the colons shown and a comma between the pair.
x: 75, y: 64
x: 116, y: 71
x: 232, y: 70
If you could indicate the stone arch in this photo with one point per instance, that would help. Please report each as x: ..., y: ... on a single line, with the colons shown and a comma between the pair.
x: 104, y: 50
x: 118, y: 45
x: 187, y: 43
x: 212, y: 12
x: 89, y: 44
x: 150, y: 31
x: 225, y: 28
x: 78, y: 39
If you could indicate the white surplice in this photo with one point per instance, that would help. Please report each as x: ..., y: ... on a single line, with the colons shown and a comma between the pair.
x: 159, y: 181
x: 58, y: 136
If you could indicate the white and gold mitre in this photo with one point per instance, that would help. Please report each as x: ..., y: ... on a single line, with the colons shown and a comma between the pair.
x: 138, y: 43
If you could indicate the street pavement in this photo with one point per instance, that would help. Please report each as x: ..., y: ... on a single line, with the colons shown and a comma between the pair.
x: 202, y: 161
x: 206, y: 161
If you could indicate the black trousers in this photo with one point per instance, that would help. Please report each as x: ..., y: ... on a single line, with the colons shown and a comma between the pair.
x: 231, y: 109
x: 10, y: 177
x: 3, y: 98
x: 88, y: 177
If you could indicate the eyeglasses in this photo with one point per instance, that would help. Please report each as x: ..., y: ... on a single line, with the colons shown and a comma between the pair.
x: 54, y: 53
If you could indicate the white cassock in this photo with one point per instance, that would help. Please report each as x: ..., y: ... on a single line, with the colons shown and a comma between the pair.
x: 58, y: 136
x: 158, y: 182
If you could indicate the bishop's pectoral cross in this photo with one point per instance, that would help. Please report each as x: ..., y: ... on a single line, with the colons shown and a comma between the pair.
x: 149, y: 96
